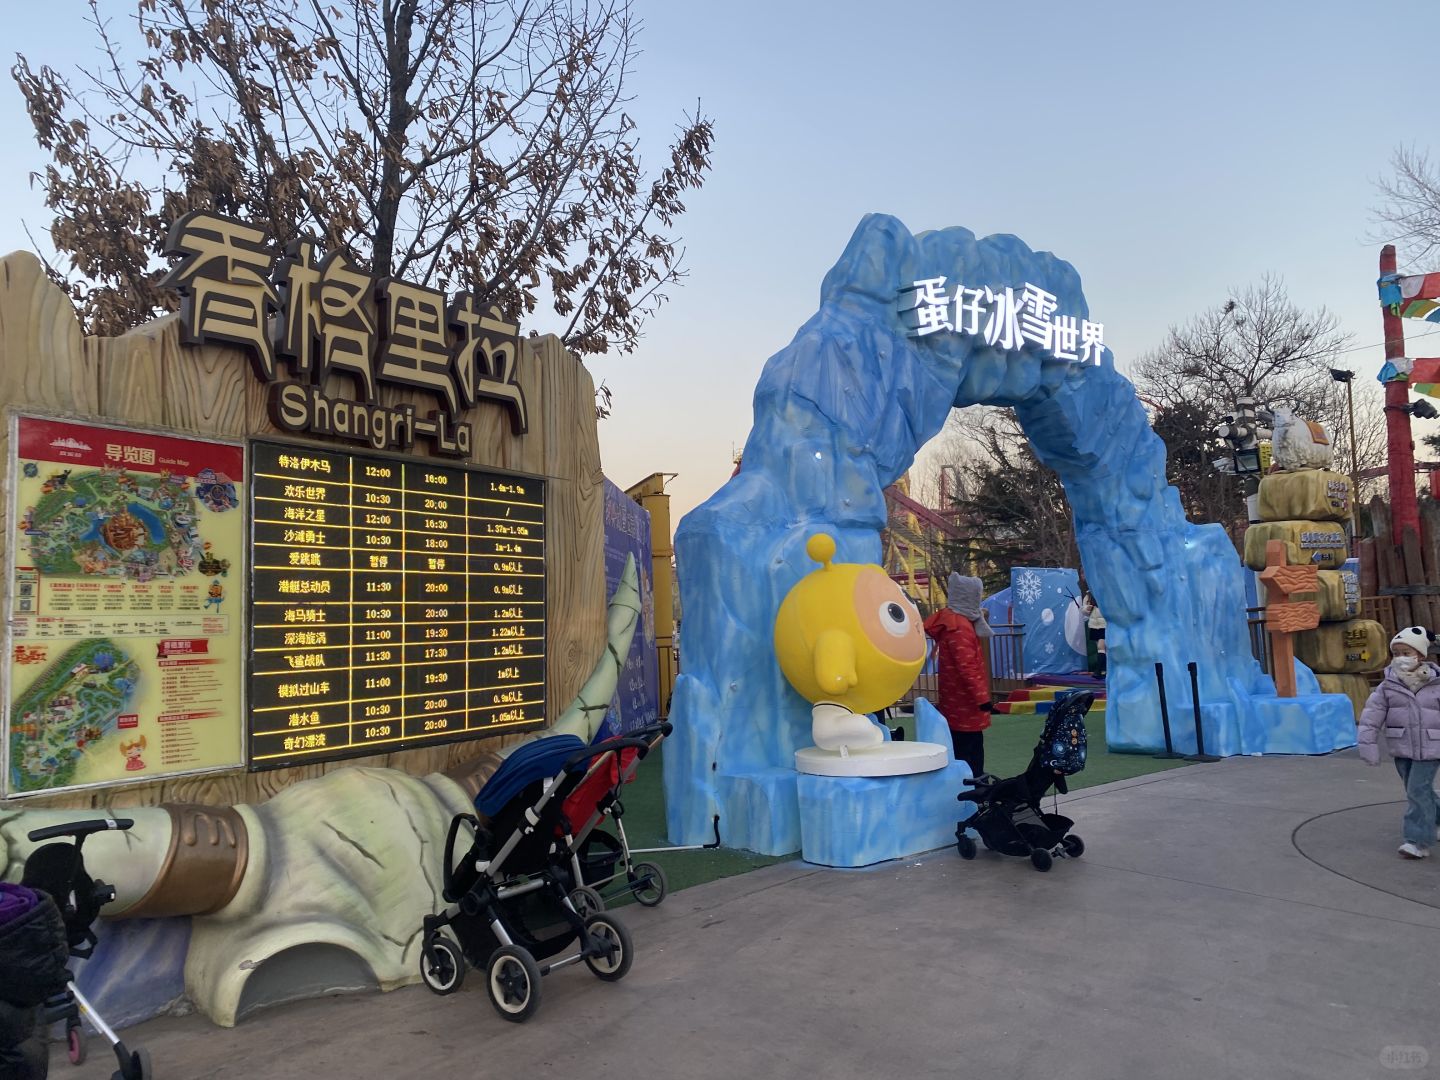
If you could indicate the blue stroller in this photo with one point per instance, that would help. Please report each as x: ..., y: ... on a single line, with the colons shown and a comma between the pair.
x: 510, y: 894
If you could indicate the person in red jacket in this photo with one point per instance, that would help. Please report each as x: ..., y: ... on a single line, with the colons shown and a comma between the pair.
x: 960, y: 630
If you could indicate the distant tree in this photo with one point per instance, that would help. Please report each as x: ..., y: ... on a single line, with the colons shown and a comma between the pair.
x: 1187, y: 429
x: 1261, y: 345
x: 1256, y: 344
x: 468, y: 145
x: 1409, y: 211
x: 1012, y: 509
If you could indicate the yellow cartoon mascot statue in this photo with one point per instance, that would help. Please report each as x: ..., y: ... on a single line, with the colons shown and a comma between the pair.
x: 849, y: 642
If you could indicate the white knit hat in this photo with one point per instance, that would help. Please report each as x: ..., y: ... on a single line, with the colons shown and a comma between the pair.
x: 1417, y: 637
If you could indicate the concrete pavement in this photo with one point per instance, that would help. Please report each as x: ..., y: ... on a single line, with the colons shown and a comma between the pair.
x: 1248, y: 918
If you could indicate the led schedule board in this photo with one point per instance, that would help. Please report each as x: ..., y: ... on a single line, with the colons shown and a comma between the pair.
x: 395, y: 603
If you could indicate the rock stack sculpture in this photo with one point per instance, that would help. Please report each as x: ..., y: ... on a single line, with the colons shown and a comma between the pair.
x: 1304, y: 508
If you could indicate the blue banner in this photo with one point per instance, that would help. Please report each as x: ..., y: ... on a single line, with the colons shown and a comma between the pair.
x: 627, y: 532
x: 1007, y: 643
x: 997, y: 607
x: 1046, y: 601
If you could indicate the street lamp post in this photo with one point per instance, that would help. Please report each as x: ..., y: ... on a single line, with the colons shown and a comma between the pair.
x: 1340, y: 375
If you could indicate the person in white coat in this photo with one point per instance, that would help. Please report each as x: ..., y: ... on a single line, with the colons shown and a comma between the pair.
x: 1405, y: 710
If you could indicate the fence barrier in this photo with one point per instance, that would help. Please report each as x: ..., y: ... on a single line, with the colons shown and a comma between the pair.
x: 1006, y: 659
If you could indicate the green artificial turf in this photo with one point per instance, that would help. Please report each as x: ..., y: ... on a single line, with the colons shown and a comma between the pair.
x: 1011, y: 740
x: 1008, y: 746
x: 644, y: 802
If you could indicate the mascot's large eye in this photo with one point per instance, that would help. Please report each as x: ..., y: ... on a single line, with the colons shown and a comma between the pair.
x: 894, y: 618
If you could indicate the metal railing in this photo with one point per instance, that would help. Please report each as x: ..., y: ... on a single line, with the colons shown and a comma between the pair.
x: 1006, y: 659
x: 1259, y: 639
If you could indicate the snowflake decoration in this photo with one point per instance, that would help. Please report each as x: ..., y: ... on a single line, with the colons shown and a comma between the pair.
x: 1027, y: 587
x: 1050, y: 647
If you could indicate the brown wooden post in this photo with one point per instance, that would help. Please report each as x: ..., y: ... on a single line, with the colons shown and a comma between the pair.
x: 1285, y: 617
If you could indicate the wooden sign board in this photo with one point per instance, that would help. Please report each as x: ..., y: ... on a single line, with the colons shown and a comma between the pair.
x: 149, y: 381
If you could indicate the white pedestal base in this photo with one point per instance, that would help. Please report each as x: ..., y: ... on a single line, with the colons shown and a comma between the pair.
x: 886, y: 759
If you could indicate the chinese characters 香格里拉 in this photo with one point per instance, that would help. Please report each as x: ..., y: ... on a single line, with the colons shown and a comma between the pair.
x: 321, y: 315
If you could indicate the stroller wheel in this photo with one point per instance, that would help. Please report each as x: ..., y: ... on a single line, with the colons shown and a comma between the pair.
x: 135, y: 1067
x: 648, y: 883
x: 615, y: 952
x: 1041, y: 860
x: 586, y: 901
x: 442, y: 965
x: 966, y: 846
x: 1074, y: 846
x: 75, y: 1043
x: 513, y: 982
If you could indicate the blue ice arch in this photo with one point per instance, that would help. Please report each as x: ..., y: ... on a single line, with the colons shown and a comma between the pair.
x: 839, y: 414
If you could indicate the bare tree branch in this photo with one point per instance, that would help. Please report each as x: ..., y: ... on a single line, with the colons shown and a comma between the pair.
x: 1409, y: 214
x: 485, y: 144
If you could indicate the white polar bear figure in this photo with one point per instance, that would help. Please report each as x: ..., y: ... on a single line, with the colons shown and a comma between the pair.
x: 1299, y: 444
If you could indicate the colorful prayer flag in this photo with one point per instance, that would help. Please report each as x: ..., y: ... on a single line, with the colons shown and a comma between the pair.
x: 1425, y: 376
x: 1412, y: 296
x: 1396, y: 370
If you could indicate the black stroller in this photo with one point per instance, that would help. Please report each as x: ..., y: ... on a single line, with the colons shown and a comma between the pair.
x: 510, y: 893
x: 1007, y: 813
x: 58, y: 870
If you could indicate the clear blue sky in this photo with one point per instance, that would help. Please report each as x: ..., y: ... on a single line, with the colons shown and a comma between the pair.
x: 1169, y: 151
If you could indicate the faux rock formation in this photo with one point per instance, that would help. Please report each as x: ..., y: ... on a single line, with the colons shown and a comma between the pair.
x: 858, y: 821
x: 349, y: 861
x: 1311, y: 495
x: 1333, y: 596
x: 840, y: 413
x: 1313, y: 543
x: 1354, y: 687
x: 1344, y: 648
x: 1299, y: 444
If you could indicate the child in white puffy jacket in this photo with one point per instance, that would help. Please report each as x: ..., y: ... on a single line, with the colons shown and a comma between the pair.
x: 1405, y: 709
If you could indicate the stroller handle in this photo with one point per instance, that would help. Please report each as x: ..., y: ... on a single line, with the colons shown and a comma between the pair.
x: 448, y: 867
x: 80, y: 829
x: 663, y: 728
x: 585, y: 754
x: 979, y: 785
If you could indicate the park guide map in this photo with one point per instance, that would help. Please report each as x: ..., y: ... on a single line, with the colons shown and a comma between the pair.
x: 126, y: 630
